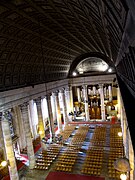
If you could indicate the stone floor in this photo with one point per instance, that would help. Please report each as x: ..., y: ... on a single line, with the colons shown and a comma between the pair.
x: 26, y: 174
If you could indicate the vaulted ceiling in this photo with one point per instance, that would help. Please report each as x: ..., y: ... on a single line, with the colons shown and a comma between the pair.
x: 40, y: 39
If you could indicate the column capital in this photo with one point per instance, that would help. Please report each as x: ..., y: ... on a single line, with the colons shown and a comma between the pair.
x: 55, y: 93
x: 109, y: 84
x: 38, y: 101
x: 68, y: 88
x: 61, y: 91
x: 101, y: 85
x: 24, y: 106
x: 5, y: 116
x: 47, y: 95
x: 84, y: 86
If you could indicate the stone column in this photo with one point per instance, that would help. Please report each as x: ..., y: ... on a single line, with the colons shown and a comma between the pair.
x: 54, y: 108
x: 86, y: 103
x: 21, y: 128
x: 110, y: 92
x: 34, y: 128
x: 127, y: 143
x: 59, y: 122
x: 30, y: 150
x: 41, y: 129
x: 2, y: 146
x: 15, y: 122
x: 30, y: 121
x: 50, y: 116
x: 102, y: 102
x: 65, y: 117
x: 69, y: 99
x: 89, y: 91
x: 9, y: 147
x: 79, y: 94
x: 105, y: 92
x: 67, y: 94
x: 124, y: 129
x: 16, y: 127
x: 119, y: 101
x: 94, y: 90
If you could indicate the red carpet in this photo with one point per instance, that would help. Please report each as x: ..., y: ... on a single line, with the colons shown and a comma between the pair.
x: 37, y: 148
x: 66, y: 176
x: 6, y: 178
x: 20, y: 165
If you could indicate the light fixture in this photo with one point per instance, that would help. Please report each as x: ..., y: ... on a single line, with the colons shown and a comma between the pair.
x: 119, y: 134
x: 123, y: 176
x: 122, y: 164
x: 4, y: 163
x: 109, y: 70
x: 118, y: 116
x: 40, y: 132
x: 74, y: 73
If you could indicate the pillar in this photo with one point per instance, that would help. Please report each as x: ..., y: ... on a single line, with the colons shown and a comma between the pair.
x: 54, y: 107
x: 89, y: 91
x: 69, y: 99
x: 124, y: 131
x: 102, y: 102
x: 64, y: 107
x: 127, y: 143
x: 81, y: 92
x: 119, y: 101
x: 30, y: 150
x: 9, y: 147
x: 21, y: 128
x: 78, y: 94
x: 86, y: 103
x: 2, y: 146
x: 15, y: 122
x: 94, y: 90
x: 31, y: 109
x: 50, y: 116
x: 41, y: 129
x: 105, y: 92
x: 110, y: 92
x: 16, y: 125
x: 59, y: 122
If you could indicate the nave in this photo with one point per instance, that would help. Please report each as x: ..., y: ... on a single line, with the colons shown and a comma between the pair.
x: 48, y: 137
x: 87, y: 150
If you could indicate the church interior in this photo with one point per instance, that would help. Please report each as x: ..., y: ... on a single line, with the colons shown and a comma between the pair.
x: 67, y: 89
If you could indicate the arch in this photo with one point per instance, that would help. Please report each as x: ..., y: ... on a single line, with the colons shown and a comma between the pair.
x: 87, y: 55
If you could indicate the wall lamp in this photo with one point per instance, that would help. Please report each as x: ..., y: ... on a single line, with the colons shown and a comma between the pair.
x: 4, y: 164
x: 120, y: 134
x: 122, y: 165
x: 74, y: 73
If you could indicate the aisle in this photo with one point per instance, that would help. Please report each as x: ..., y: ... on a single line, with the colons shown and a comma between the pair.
x: 93, y: 155
x: 65, y: 176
